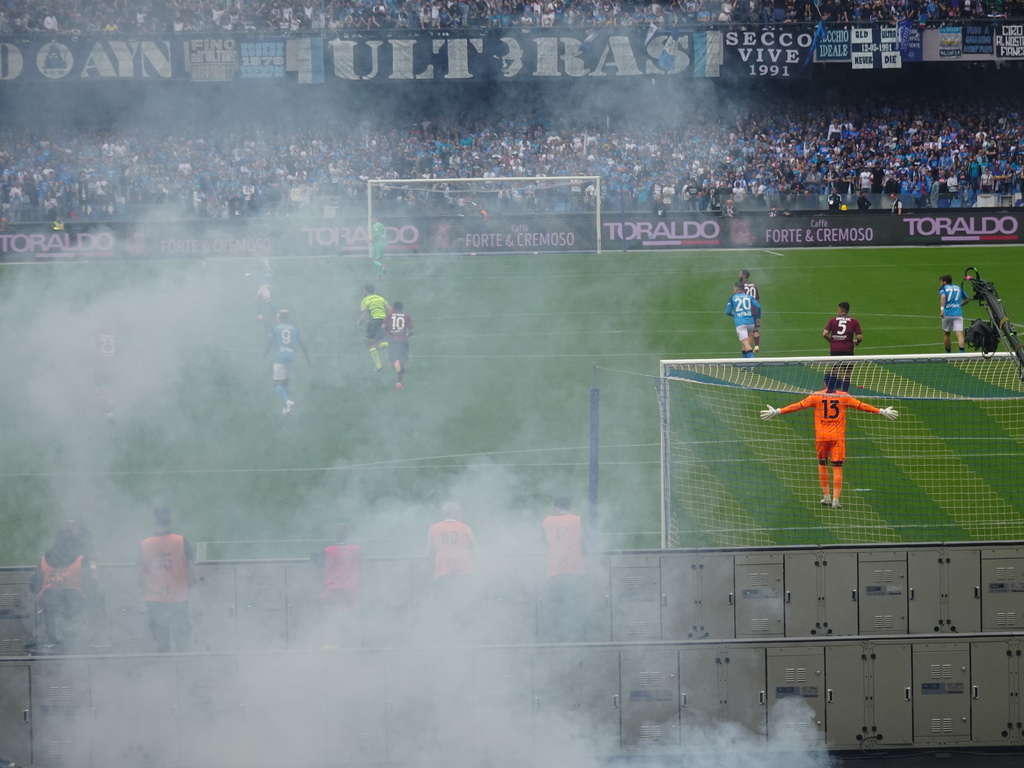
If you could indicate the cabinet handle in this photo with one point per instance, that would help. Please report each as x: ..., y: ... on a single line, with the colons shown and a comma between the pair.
x: 664, y: 600
x: 760, y: 698
x: 975, y: 692
x: 615, y: 701
x: 24, y: 716
x: 683, y: 700
x: 853, y: 595
x: 730, y: 598
x: 789, y: 596
x: 977, y: 592
x: 828, y: 697
x: 906, y: 694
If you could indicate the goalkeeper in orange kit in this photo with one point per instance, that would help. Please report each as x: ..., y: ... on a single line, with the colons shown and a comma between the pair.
x: 830, y: 406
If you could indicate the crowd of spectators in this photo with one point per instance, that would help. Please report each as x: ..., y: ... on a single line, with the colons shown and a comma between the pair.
x: 757, y: 158
x: 141, y: 17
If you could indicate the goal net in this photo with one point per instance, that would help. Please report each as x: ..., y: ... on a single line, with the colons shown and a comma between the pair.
x: 480, y: 216
x: 949, y: 469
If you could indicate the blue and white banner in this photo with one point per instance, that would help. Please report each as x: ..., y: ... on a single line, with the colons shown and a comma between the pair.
x: 979, y: 38
x: 835, y: 45
x: 911, y: 40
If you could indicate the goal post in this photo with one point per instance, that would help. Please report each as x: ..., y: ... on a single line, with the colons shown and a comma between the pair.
x: 949, y: 469
x: 506, y: 215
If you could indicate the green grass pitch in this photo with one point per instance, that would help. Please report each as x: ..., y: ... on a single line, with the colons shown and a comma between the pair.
x: 495, y: 410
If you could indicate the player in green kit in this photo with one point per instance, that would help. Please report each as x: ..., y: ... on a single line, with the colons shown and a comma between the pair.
x: 378, y: 242
x: 373, y: 309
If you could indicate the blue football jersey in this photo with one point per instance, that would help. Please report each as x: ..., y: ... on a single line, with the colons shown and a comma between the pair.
x: 954, y: 306
x: 743, y: 309
x: 286, y: 340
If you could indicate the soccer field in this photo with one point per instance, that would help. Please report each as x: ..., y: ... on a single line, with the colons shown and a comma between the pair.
x: 494, y: 413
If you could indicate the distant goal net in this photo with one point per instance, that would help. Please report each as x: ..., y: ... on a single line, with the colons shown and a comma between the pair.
x: 481, y: 216
x: 951, y: 468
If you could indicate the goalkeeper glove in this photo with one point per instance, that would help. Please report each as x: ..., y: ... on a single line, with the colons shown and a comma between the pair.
x: 890, y: 413
x: 770, y: 413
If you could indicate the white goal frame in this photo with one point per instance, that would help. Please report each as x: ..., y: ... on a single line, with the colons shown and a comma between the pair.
x: 489, y: 186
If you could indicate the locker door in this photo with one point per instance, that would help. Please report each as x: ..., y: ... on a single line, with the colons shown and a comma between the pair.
x: 699, y: 698
x: 716, y: 598
x: 759, y: 595
x: 503, y: 702
x: 839, y: 588
x: 743, y: 688
x: 17, y: 612
x: 212, y: 603
x: 942, y: 708
x: 882, y: 592
x: 558, y: 715
x: 679, y: 619
x: 208, y: 710
x: 356, y: 706
x: 796, y: 688
x: 890, y: 694
x: 61, y: 714
x: 993, y: 692
x: 636, y: 598
x: 261, y: 607
x: 15, y: 713
x: 964, y: 591
x: 1002, y: 589
x: 803, y: 594
x: 143, y: 693
x: 302, y: 617
x: 650, y: 700
x: 846, y: 713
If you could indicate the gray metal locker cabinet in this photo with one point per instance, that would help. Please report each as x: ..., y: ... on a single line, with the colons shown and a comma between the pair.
x: 503, y: 702
x: 759, y: 595
x: 208, y: 710
x: 821, y: 589
x: 679, y: 613
x: 429, y: 703
x: 17, y: 611
x: 15, y: 713
x: 281, y: 709
x: 211, y: 602
x: 356, y: 706
x: 260, y: 617
x: 882, y: 592
x: 1002, y: 589
x: 601, y: 700
x: 942, y: 705
x: 995, y: 692
x: 796, y: 695
x: 636, y: 598
x: 889, y: 686
x: 599, y: 598
x: 742, y: 684
x: 943, y: 590
x: 509, y: 613
x: 846, y: 715
x: 389, y: 600
x: 700, y: 702
x: 650, y: 699
x: 558, y: 717
x: 302, y: 608
x: 135, y: 712
x: 716, y: 610
x: 61, y: 714
x: 126, y: 607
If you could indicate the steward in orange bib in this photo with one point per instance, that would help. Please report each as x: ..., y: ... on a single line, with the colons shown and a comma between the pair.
x: 65, y: 584
x: 340, y: 566
x: 165, y: 565
x: 566, y: 585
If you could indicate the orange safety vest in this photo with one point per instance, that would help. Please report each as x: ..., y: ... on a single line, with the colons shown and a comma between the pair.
x: 165, y: 568
x: 451, y: 542
x: 341, y: 570
x: 68, y: 577
x: 565, y: 544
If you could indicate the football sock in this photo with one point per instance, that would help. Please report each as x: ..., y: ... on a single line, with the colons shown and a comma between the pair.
x: 823, y: 479
x: 398, y: 366
x: 748, y: 354
x: 948, y: 350
x: 282, y: 392
x: 376, y: 357
x: 382, y: 346
x: 837, y: 482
